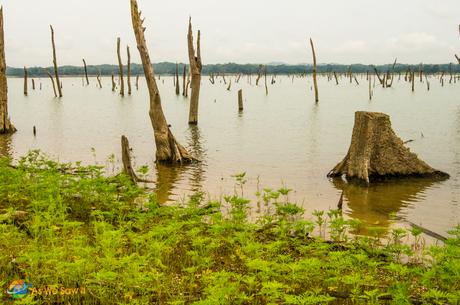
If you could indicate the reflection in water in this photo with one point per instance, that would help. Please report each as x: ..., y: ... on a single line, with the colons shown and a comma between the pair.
x: 373, y: 204
x: 167, y: 177
x: 198, y: 151
x: 5, y: 146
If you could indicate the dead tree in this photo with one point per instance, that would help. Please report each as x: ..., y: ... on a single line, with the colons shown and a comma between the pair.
x: 126, y: 158
x: 187, y: 85
x: 25, y: 81
x: 259, y: 75
x: 240, y: 100
x: 52, y: 82
x: 5, y: 124
x: 114, y: 85
x: 376, y: 152
x: 229, y: 85
x: 120, y: 69
x: 137, y: 82
x: 86, y: 72
x: 195, y: 69
x: 184, y: 76
x: 336, y: 80
x: 33, y: 84
x: 168, y: 149
x: 129, y: 70
x: 177, y: 79
x: 98, y: 77
x: 315, y: 83
x: 265, y: 76
x: 56, y: 74
x: 458, y: 58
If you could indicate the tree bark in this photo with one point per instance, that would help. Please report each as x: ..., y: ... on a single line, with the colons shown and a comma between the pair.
x: 315, y: 83
x: 25, y: 81
x: 56, y: 73
x: 86, y: 72
x: 120, y: 69
x: 376, y: 152
x: 195, y: 68
x: 5, y: 124
x: 129, y: 70
x: 168, y: 149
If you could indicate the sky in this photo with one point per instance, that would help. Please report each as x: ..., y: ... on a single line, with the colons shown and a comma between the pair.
x: 240, y: 31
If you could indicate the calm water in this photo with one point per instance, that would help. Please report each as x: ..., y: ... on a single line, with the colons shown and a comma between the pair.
x: 279, y: 139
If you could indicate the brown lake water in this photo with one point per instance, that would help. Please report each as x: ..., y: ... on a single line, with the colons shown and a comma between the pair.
x: 282, y: 138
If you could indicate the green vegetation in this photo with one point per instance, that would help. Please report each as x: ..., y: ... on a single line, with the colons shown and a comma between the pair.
x: 170, y: 68
x: 65, y: 225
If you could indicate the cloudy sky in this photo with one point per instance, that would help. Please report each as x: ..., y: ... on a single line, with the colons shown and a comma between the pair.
x: 241, y: 31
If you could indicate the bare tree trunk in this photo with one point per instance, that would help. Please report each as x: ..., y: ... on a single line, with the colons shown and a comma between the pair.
x: 240, y: 100
x: 229, y: 85
x: 120, y: 69
x: 114, y: 85
x: 52, y: 82
x: 129, y: 70
x: 195, y: 68
x: 126, y: 158
x: 86, y: 72
x: 184, y: 75
x: 413, y: 81
x: 98, y: 77
x: 168, y: 149
x: 25, y: 81
x: 137, y: 82
x: 265, y: 76
x: 56, y: 74
x: 5, y: 124
x: 336, y: 80
x: 177, y: 79
x: 315, y: 83
x: 188, y: 84
x: 458, y: 58
x: 377, y: 152
x: 259, y: 75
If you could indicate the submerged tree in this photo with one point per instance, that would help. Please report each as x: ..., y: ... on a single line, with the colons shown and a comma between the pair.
x: 120, y: 69
x: 315, y: 83
x: 129, y: 70
x: 195, y: 69
x: 5, y: 123
x: 25, y: 81
x: 56, y: 73
x: 168, y: 149
x: 86, y: 72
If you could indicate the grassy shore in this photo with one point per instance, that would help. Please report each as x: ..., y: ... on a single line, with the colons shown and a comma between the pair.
x: 79, y: 237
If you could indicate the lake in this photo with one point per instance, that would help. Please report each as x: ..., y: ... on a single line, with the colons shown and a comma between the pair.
x: 280, y: 139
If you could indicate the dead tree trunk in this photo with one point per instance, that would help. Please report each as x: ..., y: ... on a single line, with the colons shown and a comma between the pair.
x: 458, y: 58
x: 265, y: 76
x: 336, y: 80
x: 184, y: 75
x: 5, y: 123
x: 168, y: 149
x: 137, y: 82
x: 377, y: 152
x: 195, y: 70
x: 25, y: 81
x: 33, y: 84
x: 52, y: 82
x: 98, y: 77
x: 114, y: 85
x: 129, y: 70
x: 177, y: 79
x: 86, y: 72
x: 240, y: 100
x: 126, y: 158
x: 56, y: 73
x: 187, y: 85
x: 120, y: 69
x: 315, y: 83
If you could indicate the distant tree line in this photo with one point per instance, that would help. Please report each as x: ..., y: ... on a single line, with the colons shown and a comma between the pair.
x: 232, y: 68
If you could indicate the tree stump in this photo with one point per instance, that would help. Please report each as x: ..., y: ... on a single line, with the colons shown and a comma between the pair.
x: 376, y: 152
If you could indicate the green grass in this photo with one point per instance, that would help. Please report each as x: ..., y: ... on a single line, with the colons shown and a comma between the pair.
x: 85, y: 230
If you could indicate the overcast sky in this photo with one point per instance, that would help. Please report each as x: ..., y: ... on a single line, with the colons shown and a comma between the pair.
x: 241, y: 31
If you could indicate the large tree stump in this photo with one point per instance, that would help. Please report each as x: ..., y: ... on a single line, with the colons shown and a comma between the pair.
x: 377, y: 152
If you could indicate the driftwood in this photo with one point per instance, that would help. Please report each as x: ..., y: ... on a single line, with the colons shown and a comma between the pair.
x: 376, y: 152
x: 56, y: 73
x: 120, y: 69
x: 168, y: 149
x: 195, y: 70
x: 315, y: 82
x: 5, y: 124
x: 86, y: 72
